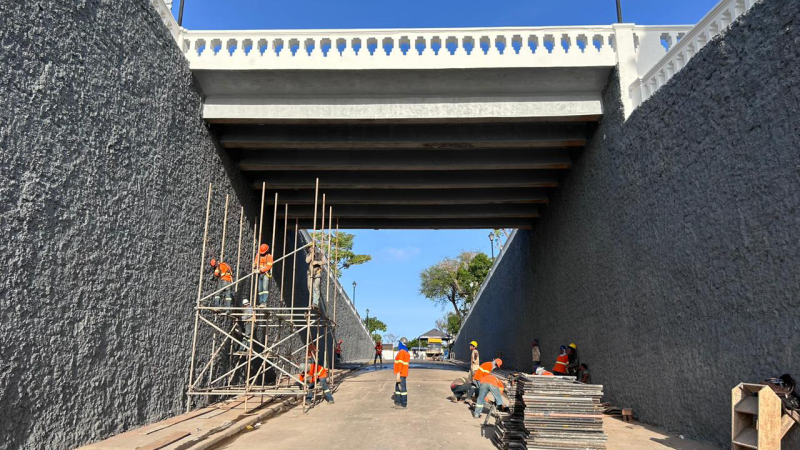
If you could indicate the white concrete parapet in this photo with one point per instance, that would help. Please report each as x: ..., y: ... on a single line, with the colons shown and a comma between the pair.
x: 400, y: 48
x: 683, y: 46
x: 164, y: 11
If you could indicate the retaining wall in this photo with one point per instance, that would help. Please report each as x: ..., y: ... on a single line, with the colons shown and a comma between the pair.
x: 106, y: 163
x: 670, y: 255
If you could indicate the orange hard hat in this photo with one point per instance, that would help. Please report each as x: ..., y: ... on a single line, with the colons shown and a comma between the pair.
x: 263, y: 249
x: 213, y: 262
x: 498, y: 362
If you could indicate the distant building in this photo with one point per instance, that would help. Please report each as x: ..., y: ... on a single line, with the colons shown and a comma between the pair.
x: 435, y: 344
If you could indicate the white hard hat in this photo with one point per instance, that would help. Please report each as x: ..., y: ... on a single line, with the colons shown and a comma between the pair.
x: 539, y: 370
x: 245, y: 302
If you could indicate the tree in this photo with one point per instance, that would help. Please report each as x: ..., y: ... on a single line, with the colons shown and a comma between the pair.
x: 455, y: 281
x: 374, y: 324
x: 347, y: 257
x: 449, y: 324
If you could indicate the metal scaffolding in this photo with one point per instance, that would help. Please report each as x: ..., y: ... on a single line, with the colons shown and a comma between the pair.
x: 248, y: 342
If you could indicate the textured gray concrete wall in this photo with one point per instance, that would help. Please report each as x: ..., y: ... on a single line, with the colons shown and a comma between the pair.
x: 670, y: 253
x: 105, y: 166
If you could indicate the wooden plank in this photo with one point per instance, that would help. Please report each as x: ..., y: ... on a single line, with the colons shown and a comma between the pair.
x: 165, y: 441
x: 769, y: 420
x: 747, y: 438
x: 178, y: 419
x: 748, y: 405
x: 786, y: 424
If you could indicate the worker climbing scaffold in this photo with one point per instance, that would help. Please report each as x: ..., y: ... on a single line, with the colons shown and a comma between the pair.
x: 259, y: 343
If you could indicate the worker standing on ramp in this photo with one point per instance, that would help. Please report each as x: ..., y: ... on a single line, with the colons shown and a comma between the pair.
x: 378, y: 352
x: 401, y: 362
x: 562, y: 362
x: 474, y: 359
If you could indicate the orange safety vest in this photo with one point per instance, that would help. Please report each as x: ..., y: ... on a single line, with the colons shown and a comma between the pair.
x: 483, y: 370
x: 316, y: 372
x: 401, y: 362
x: 547, y: 373
x: 264, y: 263
x: 491, y: 379
x: 561, y: 364
x: 225, y: 271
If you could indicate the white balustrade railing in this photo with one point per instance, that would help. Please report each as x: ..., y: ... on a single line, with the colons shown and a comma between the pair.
x: 684, y: 47
x: 401, y: 49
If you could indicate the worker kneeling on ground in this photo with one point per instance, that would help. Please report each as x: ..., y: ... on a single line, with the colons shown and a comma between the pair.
x: 543, y: 371
x: 460, y: 387
x: 489, y: 385
x: 319, y: 374
x: 401, y: 362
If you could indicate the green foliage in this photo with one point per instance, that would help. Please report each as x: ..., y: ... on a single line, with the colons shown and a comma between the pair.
x: 450, y: 323
x: 376, y: 337
x: 414, y: 343
x: 374, y: 324
x: 347, y: 257
x: 455, y: 281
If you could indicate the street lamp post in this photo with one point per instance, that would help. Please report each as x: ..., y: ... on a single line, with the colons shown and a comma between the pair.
x: 619, y: 11
x: 368, y: 329
x: 354, y: 294
x: 491, y: 243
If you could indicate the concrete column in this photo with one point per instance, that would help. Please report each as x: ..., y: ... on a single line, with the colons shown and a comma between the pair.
x: 626, y: 63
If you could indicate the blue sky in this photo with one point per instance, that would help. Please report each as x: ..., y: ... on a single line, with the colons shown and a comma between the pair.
x: 389, y: 285
x: 264, y: 14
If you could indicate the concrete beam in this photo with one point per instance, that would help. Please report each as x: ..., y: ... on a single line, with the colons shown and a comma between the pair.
x: 319, y: 160
x: 468, y: 179
x: 419, y: 211
x: 427, y: 224
x: 406, y: 136
x: 412, y: 197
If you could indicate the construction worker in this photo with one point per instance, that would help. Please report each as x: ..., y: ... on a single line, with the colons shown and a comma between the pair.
x: 584, y: 376
x: 574, y: 361
x: 378, y: 352
x: 401, y: 362
x: 542, y: 371
x: 223, y: 272
x: 536, y: 355
x: 315, y: 277
x: 489, y: 385
x: 562, y: 362
x: 460, y: 387
x: 317, y: 373
x: 474, y: 359
x: 339, y: 351
x: 263, y: 265
x: 483, y: 370
x: 248, y: 320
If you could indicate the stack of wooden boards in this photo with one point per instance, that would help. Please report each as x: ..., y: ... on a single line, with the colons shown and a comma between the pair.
x: 561, y: 413
x: 551, y: 413
x: 510, y: 432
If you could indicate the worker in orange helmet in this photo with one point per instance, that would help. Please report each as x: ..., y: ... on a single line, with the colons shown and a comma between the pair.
x: 483, y: 370
x: 562, y: 362
x: 316, y: 373
x: 223, y: 271
x: 489, y: 385
x: 401, y: 362
x: 263, y: 265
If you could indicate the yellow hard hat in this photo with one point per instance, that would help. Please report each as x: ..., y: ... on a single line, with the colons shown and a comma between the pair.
x: 474, y: 344
x: 573, y: 346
